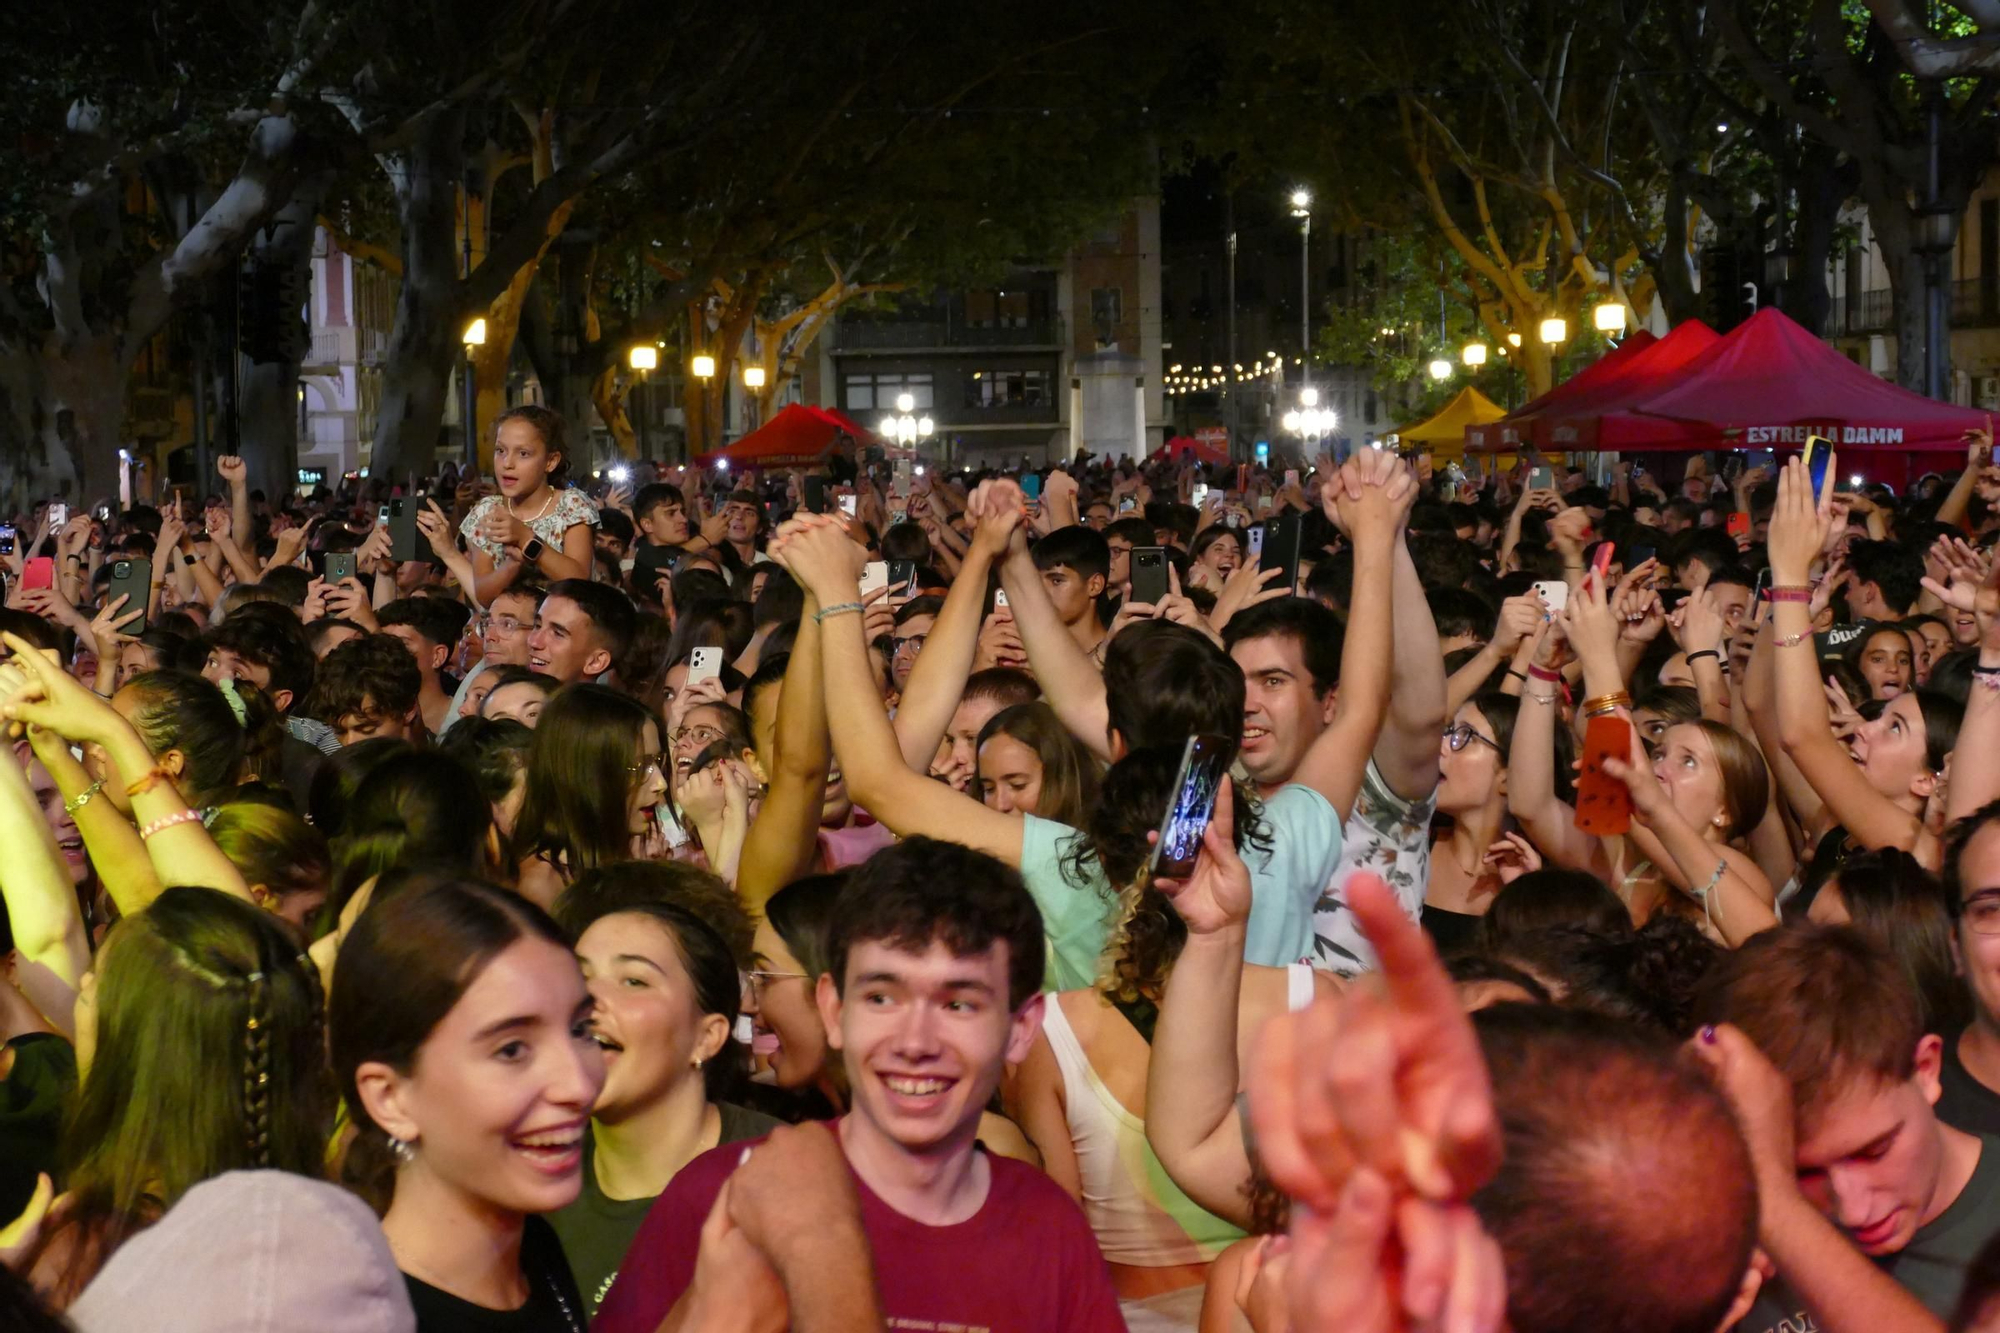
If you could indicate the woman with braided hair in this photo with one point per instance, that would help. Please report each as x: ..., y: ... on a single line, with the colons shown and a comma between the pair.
x: 1081, y: 1093
x: 200, y: 1037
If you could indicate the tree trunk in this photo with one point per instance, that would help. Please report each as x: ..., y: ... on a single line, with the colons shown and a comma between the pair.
x: 427, y: 337
x: 75, y: 419
x: 1674, y: 266
x: 268, y: 395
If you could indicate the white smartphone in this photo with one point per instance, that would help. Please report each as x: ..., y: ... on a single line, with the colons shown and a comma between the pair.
x: 897, y: 516
x: 874, y: 576
x: 999, y: 599
x: 1554, y: 594
x: 704, y: 664
x: 1255, y: 540
x: 847, y: 505
x: 1200, y: 494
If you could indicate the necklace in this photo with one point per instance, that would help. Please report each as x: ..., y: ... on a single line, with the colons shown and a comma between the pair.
x: 540, y: 513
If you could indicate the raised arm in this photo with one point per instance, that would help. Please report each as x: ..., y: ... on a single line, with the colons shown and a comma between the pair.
x: 1070, y: 681
x: 1368, y: 500
x: 1799, y: 528
x: 938, y: 678
x: 828, y: 565
x: 1406, y: 751
x: 1531, y: 769
x: 49, y: 934
x: 785, y: 837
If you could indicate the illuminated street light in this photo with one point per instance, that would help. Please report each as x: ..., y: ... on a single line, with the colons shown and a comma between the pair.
x: 1610, y: 317
x: 644, y: 357
x: 1440, y: 368
x: 703, y: 367
x: 753, y: 377
x: 1554, y: 329
x: 1474, y: 355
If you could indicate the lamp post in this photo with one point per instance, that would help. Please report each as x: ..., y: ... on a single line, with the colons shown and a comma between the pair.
x: 1309, y: 421
x: 1554, y: 330
x: 474, y: 337
x: 753, y: 380
x: 642, y: 358
x: 1440, y: 368
x: 702, y: 367
x: 1609, y: 318
x: 905, y: 428
x: 1302, y: 210
x: 1474, y: 355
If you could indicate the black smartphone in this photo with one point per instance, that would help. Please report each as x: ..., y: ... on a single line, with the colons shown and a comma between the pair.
x: 1280, y: 549
x: 339, y: 567
x: 1203, y: 765
x: 1149, y: 575
x: 902, y: 578
x: 815, y: 496
x: 1638, y: 556
x: 1762, y: 585
x: 133, y: 580
x: 399, y: 515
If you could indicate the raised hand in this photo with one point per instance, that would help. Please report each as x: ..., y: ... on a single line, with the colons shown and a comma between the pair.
x: 1511, y: 857
x: 1649, y: 798
x: 1519, y: 617
x: 1800, y: 524
x: 233, y: 470
x: 1216, y: 893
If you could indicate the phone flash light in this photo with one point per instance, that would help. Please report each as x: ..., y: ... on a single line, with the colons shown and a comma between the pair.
x: 620, y: 474
x: 1854, y: 480
x: 722, y: 465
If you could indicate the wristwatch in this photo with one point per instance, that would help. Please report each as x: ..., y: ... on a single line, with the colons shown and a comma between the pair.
x: 189, y: 560
x: 532, y: 552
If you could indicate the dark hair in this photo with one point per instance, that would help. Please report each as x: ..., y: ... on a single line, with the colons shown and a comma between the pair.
x: 654, y: 494
x: 1165, y: 682
x: 1078, y: 547
x: 906, y: 541
x: 924, y: 891
x: 549, y: 425
x: 1069, y: 770
x: 209, y: 1059
x: 610, y: 610
x: 178, y: 710
x: 1647, y: 976
x: 404, y: 966
x: 1581, y: 1098
x: 614, y: 524
x: 1443, y: 560
x: 1472, y: 969
x: 438, y: 619
x: 1458, y: 612
x: 1894, y: 901
x: 1210, y: 536
x: 273, y: 847
x: 339, y: 777
x: 1892, y: 567
x: 1941, y: 721
x: 1552, y: 897
x: 1317, y: 631
x: 494, y: 749
x: 1134, y: 529
x: 273, y: 640
x: 376, y: 670
x: 633, y: 885
x: 517, y: 675
x: 1006, y: 686
x: 802, y: 915
x: 416, y: 808
x: 711, y: 968
x: 289, y: 583
x: 577, y: 808
x: 781, y: 600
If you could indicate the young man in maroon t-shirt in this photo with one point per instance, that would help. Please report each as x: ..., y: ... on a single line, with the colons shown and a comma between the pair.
x: 933, y: 987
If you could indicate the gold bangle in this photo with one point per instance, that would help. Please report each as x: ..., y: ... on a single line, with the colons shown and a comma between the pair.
x: 1605, y: 703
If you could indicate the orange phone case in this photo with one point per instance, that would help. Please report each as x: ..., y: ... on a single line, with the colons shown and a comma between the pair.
x: 1603, y: 803
x: 1739, y: 524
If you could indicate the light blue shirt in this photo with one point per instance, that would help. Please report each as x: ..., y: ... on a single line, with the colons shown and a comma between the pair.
x: 1285, y: 882
x: 1076, y: 917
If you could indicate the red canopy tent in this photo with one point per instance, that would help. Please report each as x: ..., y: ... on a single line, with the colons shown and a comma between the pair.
x: 797, y: 436
x: 1188, y: 449
x: 1510, y: 431
x: 1770, y: 383
x: 1573, y: 424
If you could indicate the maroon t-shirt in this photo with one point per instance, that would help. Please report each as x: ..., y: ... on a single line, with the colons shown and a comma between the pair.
x: 1024, y: 1263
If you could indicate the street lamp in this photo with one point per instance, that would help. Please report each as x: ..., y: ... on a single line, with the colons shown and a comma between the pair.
x: 1610, y: 317
x: 1474, y: 355
x: 1554, y: 329
x: 642, y: 358
x: 906, y: 429
x: 753, y: 377
x: 703, y: 367
x: 1440, y: 368
x: 474, y: 336
x: 1302, y: 210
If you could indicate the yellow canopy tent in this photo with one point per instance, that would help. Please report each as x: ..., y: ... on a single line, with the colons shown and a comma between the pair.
x: 1445, y: 432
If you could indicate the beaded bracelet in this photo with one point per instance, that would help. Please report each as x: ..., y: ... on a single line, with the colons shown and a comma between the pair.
x: 165, y: 822
x: 841, y: 608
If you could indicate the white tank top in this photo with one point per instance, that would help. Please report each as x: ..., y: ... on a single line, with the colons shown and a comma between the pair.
x: 1139, y: 1216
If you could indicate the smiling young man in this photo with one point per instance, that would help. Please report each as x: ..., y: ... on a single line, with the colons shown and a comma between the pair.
x: 933, y: 987
x: 1841, y: 1023
x: 581, y: 630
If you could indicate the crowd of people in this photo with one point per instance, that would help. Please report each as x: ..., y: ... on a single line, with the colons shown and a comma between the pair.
x: 689, y: 900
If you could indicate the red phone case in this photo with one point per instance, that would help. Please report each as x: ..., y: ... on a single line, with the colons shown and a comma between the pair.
x: 1739, y: 524
x: 1603, y: 803
x: 39, y: 573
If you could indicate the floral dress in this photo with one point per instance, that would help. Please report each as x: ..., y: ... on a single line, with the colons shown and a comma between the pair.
x: 572, y: 507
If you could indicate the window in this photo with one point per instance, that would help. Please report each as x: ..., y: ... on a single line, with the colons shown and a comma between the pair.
x: 1374, y: 407
x: 1007, y: 388
x: 1107, y: 311
x: 866, y: 392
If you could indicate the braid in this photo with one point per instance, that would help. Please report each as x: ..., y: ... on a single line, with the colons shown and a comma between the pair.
x: 257, y: 1070
x: 1137, y: 951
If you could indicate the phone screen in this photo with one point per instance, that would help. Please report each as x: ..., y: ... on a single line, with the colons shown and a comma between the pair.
x: 1192, y: 805
x: 1819, y: 457
x: 1542, y: 479
x: 1031, y: 486
x: 6, y: 540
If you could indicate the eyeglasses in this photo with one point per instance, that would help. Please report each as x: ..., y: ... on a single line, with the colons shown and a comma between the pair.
x: 1459, y: 734
x: 914, y: 643
x: 700, y: 734
x: 650, y: 763
x: 504, y: 624
x: 758, y: 980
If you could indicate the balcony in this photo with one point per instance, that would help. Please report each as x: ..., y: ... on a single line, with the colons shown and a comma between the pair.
x: 947, y: 333
x: 1868, y: 313
x: 1975, y: 303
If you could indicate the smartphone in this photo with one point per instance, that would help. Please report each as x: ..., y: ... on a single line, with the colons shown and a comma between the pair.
x: 897, y: 516
x: 102, y: 513
x: 1819, y: 457
x: 1542, y: 479
x: 815, y: 496
x: 902, y: 482
x: 1242, y: 477
x: 1291, y: 476
x: 1277, y: 542
x: 39, y: 573
x: 1638, y: 556
x: 1204, y: 763
x: 903, y: 577
x: 704, y: 664
x: 1253, y: 541
x: 1127, y: 504
x: 1739, y: 524
x: 58, y: 515
x: 1031, y: 485
x: 874, y: 575
x: 847, y: 505
x: 1554, y: 594
x: 1200, y: 494
x: 999, y: 599
x: 1600, y: 563
x: 133, y: 580
x: 399, y: 515
x: 1149, y: 575
x: 339, y: 567
x: 6, y: 539
x: 1762, y: 585
x: 1603, y: 803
